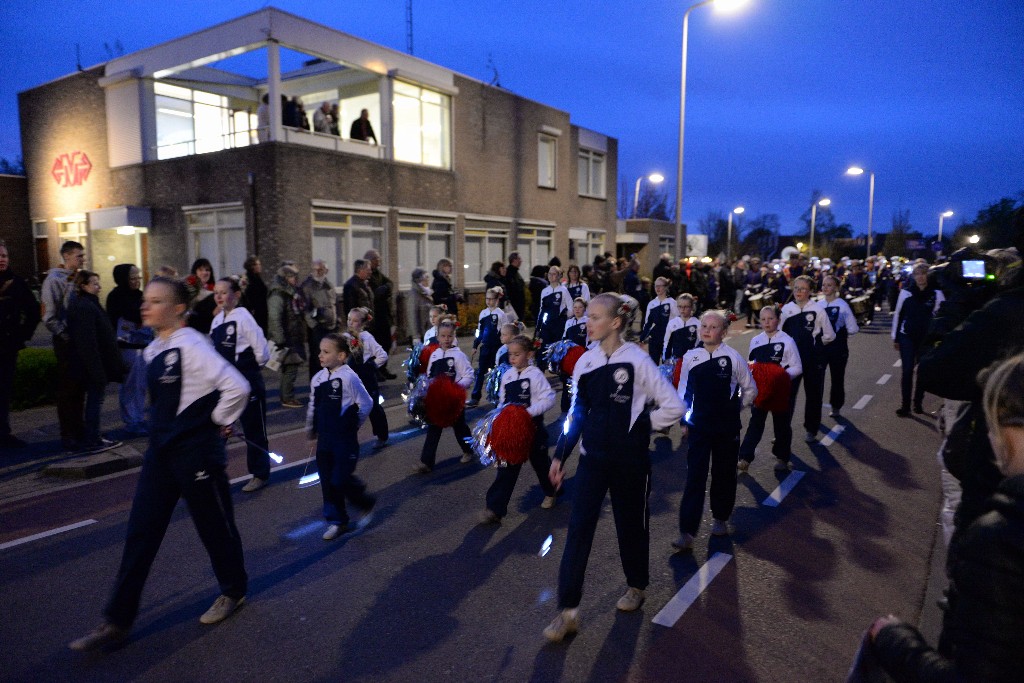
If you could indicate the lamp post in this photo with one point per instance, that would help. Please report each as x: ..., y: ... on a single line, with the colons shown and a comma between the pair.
x: 728, y: 239
x: 722, y: 5
x: 856, y: 170
x: 824, y: 201
x: 654, y: 178
x: 942, y: 216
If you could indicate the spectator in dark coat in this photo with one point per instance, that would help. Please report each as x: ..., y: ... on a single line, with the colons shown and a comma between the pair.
x: 286, y: 307
x: 982, y: 635
x: 538, y: 281
x: 384, y: 326
x: 124, y: 308
x: 254, y: 299
x: 516, y: 287
x: 631, y: 284
x: 444, y: 291
x: 356, y: 292
x: 97, y: 360
x: 495, y: 277
x: 662, y: 269
x: 19, y: 316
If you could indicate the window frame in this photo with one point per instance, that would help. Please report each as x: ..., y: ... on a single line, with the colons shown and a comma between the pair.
x: 427, y: 226
x: 542, y: 140
x: 487, y: 231
x: 348, y: 228
x: 592, y: 158
x: 219, y: 225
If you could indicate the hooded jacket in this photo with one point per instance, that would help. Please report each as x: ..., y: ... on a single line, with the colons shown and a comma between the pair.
x: 124, y: 305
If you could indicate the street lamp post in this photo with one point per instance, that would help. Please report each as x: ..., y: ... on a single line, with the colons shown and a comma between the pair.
x: 856, y: 170
x: 943, y: 216
x: 814, y: 214
x: 654, y: 178
x: 728, y: 239
x: 724, y: 5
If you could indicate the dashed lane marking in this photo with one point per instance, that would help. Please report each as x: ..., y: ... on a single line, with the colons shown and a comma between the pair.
x: 884, y: 378
x: 46, y: 534
x: 831, y: 437
x: 898, y: 363
x: 783, y: 489
x: 681, y: 601
x: 859, y: 405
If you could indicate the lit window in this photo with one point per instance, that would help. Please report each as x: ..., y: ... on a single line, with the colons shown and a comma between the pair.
x: 591, y: 174
x: 194, y: 122
x: 422, y: 122
x: 534, y: 245
x: 340, y: 237
x: 547, y: 160
x: 217, y: 234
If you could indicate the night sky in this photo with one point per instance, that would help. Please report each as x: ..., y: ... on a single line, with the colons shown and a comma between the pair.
x: 782, y: 95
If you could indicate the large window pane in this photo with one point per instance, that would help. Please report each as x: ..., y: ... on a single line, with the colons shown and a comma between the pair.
x: 328, y: 245
x: 546, y: 161
x: 410, y: 257
x: 421, y: 126
x: 475, y: 257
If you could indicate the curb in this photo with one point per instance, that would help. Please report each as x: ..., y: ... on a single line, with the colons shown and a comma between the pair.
x: 95, y: 465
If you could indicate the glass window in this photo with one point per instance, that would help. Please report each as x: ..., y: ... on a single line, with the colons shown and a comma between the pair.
x: 341, y: 237
x: 666, y: 244
x: 422, y: 242
x: 193, y: 122
x: 547, y: 160
x: 534, y: 245
x: 582, y: 251
x: 486, y: 242
x: 591, y: 174
x: 218, y: 235
x: 422, y: 126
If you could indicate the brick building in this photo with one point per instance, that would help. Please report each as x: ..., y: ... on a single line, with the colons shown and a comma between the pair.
x: 166, y: 154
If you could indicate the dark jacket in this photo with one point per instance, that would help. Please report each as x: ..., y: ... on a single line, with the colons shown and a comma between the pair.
x: 537, y: 285
x: 124, y: 304
x: 254, y: 299
x: 356, y: 294
x: 287, y: 325
x: 492, y: 279
x: 983, y: 630
x: 384, y: 313
x: 516, y: 290
x: 97, y: 359
x: 444, y: 293
x: 19, y: 312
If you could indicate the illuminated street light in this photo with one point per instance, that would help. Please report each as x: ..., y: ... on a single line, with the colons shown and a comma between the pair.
x: 824, y: 201
x: 943, y: 216
x: 728, y: 240
x: 974, y: 239
x: 856, y: 170
x: 654, y: 178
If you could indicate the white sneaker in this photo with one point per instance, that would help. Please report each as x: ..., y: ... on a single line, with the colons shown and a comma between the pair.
x: 782, y: 465
x: 222, y: 608
x: 255, y: 484
x: 548, y: 502
x: 719, y: 528
x: 566, y: 622
x: 630, y: 600
x: 333, y: 531
x: 684, y: 542
x: 743, y: 465
x: 466, y: 458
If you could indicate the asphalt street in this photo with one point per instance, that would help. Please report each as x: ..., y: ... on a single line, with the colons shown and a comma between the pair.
x: 426, y: 594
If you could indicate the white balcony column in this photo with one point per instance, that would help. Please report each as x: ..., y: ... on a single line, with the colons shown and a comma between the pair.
x: 274, y: 90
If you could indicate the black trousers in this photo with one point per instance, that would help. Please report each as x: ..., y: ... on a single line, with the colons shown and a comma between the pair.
x: 254, y: 425
x: 835, y: 361
x: 717, y: 452
x: 909, y: 355
x: 566, y: 393
x: 8, y: 364
x: 628, y: 480
x: 339, y: 483
x: 813, y: 380
x: 378, y: 419
x: 197, y: 475
x: 429, y: 454
x: 70, y: 396
x: 782, y: 423
x: 500, y: 492
x: 488, y: 356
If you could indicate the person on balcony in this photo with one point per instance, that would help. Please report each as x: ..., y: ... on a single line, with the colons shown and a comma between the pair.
x: 362, y: 129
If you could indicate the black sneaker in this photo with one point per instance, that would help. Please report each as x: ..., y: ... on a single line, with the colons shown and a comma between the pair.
x: 919, y: 409
x: 903, y: 411
x: 101, y: 446
x: 106, y: 635
x: 11, y: 441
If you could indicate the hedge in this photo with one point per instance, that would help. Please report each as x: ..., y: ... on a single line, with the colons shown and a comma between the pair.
x: 35, y: 378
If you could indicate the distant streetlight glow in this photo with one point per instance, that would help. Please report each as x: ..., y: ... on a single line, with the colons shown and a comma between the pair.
x: 800, y: 245
x: 654, y: 178
x: 942, y: 216
x: 855, y: 171
x: 729, y: 5
x: 728, y: 238
x: 974, y: 239
x: 824, y: 201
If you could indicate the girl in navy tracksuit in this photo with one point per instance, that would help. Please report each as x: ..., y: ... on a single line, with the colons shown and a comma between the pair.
x: 239, y: 339
x: 917, y: 304
x: 488, y: 331
x: 338, y: 405
x: 771, y: 346
x: 436, y: 314
x: 523, y: 384
x: 576, y: 332
x: 194, y: 397
x: 366, y: 359
x: 577, y: 288
x: 613, y: 383
x: 807, y: 323
x: 715, y: 384
x: 553, y: 311
x: 660, y: 311
x: 844, y: 323
x: 508, y: 331
x: 681, y: 332
x: 447, y: 360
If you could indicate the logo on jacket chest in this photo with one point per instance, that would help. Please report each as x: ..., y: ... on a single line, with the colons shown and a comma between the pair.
x: 621, y: 377
x: 723, y: 368
x: 809, y: 321
x: 171, y: 373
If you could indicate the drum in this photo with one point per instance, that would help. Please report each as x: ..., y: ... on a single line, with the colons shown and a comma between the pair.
x: 860, y: 305
x: 758, y: 301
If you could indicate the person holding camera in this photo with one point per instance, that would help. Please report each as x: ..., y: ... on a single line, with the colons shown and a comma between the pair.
x: 915, y: 307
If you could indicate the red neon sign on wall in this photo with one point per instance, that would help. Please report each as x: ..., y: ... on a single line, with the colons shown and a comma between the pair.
x: 71, y: 169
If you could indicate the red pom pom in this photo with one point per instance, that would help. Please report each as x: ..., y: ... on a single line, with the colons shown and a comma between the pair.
x: 773, y: 387
x: 511, y: 436
x: 425, y: 354
x: 678, y: 371
x: 571, y: 357
x: 445, y: 401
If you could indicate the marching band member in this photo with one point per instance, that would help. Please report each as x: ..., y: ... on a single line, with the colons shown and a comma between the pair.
x: 771, y: 346
x: 195, y: 395
x: 844, y: 322
x: 660, y: 311
x: 238, y: 338
x: 488, y: 331
x: 554, y: 309
x: 612, y: 385
x: 681, y: 333
x: 575, y: 286
x: 447, y: 360
x: 715, y: 384
x: 338, y: 405
x: 807, y: 323
x: 918, y: 302
x: 523, y: 384
x: 366, y: 359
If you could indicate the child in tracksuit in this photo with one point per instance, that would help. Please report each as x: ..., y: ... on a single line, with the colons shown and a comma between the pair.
x: 241, y: 342
x: 338, y: 405
x: 366, y: 359
x: 436, y: 314
x: 487, y: 341
x: 807, y: 323
x: 576, y: 332
x: 660, y: 311
x: 553, y: 311
x: 714, y: 384
x: 612, y: 386
x: 523, y: 384
x: 447, y: 360
x: 508, y: 331
x: 681, y: 333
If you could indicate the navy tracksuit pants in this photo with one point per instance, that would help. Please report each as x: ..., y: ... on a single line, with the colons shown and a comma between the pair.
x: 500, y: 492
x: 715, y: 451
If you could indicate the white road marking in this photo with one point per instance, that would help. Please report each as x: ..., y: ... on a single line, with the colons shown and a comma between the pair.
x: 45, y: 534
x: 783, y: 489
x: 831, y: 437
x: 884, y: 378
x: 859, y: 405
x: 681, y: 601
x: 898, y: 363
